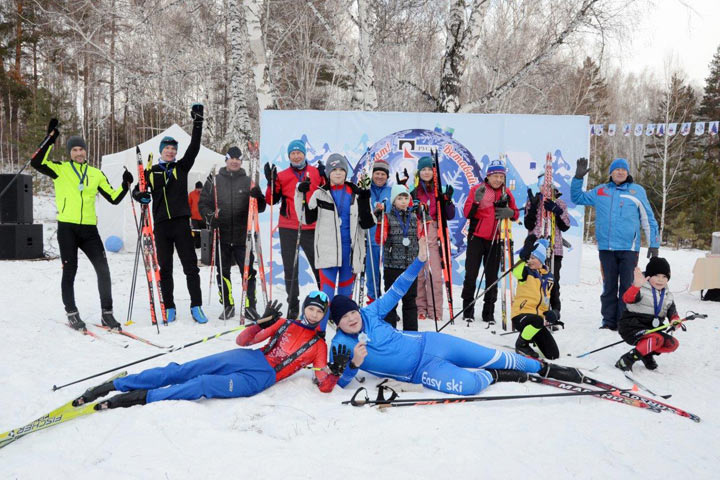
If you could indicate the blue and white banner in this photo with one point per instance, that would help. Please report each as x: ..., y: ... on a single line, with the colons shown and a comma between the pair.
x: 466, y: 144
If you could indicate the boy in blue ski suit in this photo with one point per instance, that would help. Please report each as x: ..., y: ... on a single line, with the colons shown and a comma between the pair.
x: 436, y: 360
x: 622, y: 211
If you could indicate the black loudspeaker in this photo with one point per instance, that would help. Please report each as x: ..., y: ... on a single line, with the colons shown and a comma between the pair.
x: 205, y: 246
x: 21, y: 241
x: 16, y: 205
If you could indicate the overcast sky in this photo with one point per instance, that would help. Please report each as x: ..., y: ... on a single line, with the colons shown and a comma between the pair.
x: 688, y: 31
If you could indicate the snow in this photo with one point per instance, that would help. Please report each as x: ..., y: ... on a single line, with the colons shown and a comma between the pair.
x: 294, y: 431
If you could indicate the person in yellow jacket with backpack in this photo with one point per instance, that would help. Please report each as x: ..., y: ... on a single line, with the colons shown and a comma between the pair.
x: 531, y: 313
x: 76, y: 186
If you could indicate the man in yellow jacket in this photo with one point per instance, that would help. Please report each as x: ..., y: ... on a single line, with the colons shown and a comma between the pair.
x: 76, y: 186
x: 531, y: 312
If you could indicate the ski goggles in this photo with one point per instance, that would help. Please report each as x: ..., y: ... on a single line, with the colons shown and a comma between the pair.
x: 318, y: 298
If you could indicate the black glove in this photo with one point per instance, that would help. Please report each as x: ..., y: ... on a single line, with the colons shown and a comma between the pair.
x: 255, y: 192
x: 533, y: 199
x: 503, y: 212
x: 272, y: 310
x: 142, y: 197
x: 449, y: 190
x: 213, y: 221
x: 52, y: 130
x: 321, y: 168
x: 196, y: 112
x: 581, y: 167
x: 127, y: 178
x: 480, y: 193
x: 304, y: 186
x: 341, y: 357
x: 528, y: 247
x: 363, y: 193
x: 402, y: 181
x: 553, y: 207
x: 379, y: 210
x: 271, y: 173
x: 552, y: 317
x: 653, y: 252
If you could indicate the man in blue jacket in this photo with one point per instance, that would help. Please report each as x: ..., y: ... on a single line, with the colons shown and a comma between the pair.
x: 622, y: 210
x: 436, y: 360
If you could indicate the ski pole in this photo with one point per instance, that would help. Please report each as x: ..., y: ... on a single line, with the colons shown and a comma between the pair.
x: 53, y: 125
x: 170, y: 350
x: 138, y: 247
x: 672, y: 325
x: 411, y: 402
x: 477, y: 297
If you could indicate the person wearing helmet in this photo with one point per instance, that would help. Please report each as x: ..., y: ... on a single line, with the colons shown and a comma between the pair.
x: 292, y: 345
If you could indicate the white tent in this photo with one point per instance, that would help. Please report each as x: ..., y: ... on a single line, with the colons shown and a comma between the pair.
x: 118, y: 219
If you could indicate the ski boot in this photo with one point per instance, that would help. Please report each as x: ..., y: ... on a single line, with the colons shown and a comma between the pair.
x: 649, y: 361
x: 93, y: 393
x: 109, y: 321
x: 523, y: 347
x: 75, y: 322
x: 558, y: 372
x: 171, y: 314
x: 501, y: 375
x: 228, y: 312
x: 198, y: 315
x: 626, y: 361
x: 124, y: 400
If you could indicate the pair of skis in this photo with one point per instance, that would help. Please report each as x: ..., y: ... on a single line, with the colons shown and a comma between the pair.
x: 147, y: 242
x: 506, y: 241
x: 547, y: 218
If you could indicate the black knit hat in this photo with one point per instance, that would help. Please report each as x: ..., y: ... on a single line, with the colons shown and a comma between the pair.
x: 198, y: 185
x: 233, y: 152
x: 75, y: 141
x: 341, y: 305
x: 657, y: 265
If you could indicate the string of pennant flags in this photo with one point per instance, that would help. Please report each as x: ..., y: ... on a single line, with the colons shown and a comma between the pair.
x: 657, y: 129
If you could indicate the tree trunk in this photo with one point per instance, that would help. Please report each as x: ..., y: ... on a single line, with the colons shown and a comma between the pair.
x: 364, y: 95
x: 240, y: 128
x: 264, y: 89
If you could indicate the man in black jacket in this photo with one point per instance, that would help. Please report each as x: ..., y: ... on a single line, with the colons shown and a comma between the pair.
x: 167, y: 182
x: 233, y: 201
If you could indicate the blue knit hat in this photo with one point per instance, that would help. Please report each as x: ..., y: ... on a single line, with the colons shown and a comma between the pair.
x: 425, y: 162
x: 168, y: 141
x: 341, y: 305
x: 619, y: 163
x: 296, y: 146
x: 397, y: 190
x: 540, y: 251
x: 496, y: 166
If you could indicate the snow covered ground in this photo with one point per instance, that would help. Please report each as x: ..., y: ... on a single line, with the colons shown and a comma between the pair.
x: 294, y: 431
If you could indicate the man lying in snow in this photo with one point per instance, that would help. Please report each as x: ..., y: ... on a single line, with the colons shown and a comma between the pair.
x: 436, y: 360
x: 240, y: 372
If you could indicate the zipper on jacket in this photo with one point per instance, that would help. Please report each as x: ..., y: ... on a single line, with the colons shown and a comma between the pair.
x: 612, y: 201
x: 167, y: 206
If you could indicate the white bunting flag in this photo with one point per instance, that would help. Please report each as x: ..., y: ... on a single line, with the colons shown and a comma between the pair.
x: 685, y: 129
x: 699, y: 128
x: 599, y: 130
x: 714, y: 128
x: 650, y: 129
x: 627, y: 129
x: 672, y: 129
x: 638, y: 129
x: 611, y: 130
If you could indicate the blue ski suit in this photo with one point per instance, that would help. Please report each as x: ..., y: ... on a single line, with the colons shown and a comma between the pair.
x: 436, y: 360
x: 372, y: 259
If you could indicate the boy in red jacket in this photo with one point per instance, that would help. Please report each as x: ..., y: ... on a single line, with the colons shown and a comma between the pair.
x: 486, y: 204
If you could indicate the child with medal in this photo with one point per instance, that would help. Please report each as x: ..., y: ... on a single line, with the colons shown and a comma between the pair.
x: 400, y: 247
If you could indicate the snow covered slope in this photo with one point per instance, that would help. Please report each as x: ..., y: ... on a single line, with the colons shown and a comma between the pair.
x: 294, y: 431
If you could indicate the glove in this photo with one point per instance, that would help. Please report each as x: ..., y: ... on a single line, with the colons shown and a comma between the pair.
x: 653, y: 252
x: 552, y: 317
x: 142, y: 197
x: 528, y: 247
x: 379, y: 209
x: 127, y: 178
x: 271, y: 173
x: 503, y: 212
x: 363, y: 193
x: 480, y: 192
x: 533, y: 199
x: 304, y: 186
x: 321, y: 168
x: 196, y: 112
x: 341, y: 357
x: 52, y: 130
x: 581, y: 168
x: 272, y: 310
x: 213, y: 221
x: 553, y: 207
x: 402, y: 181
x: 255, y: 192
x: 449, y: 190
